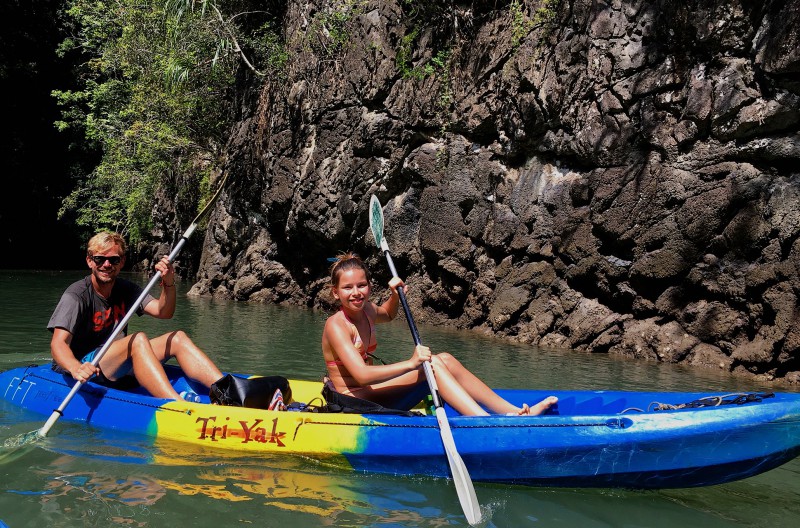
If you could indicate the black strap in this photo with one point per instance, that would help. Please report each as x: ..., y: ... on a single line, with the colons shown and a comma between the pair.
x: 343, y: 403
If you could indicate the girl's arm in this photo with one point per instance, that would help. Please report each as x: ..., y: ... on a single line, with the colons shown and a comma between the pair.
x: 339, y: 339
x: 388, y: 310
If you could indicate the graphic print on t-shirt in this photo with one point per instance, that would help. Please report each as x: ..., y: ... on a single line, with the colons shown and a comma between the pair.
x: 104, y: 319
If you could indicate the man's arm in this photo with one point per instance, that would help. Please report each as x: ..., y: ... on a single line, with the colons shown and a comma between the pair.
x: 62, y: 354
x: 164, y: 306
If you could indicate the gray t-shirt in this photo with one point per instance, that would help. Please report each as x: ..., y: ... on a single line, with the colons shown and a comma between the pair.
x: 90, y: 317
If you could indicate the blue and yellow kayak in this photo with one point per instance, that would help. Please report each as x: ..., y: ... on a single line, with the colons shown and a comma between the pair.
x: 592, y: 438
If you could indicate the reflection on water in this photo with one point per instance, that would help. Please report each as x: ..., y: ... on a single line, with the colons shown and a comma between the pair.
x: 79, y: 476
x: 87, y: 477
x: 113, y: 499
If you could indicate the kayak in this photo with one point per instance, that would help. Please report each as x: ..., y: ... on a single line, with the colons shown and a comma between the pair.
x: 645, y: 440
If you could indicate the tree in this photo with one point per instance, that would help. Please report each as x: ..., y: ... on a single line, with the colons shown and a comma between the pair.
x: 156, y: 98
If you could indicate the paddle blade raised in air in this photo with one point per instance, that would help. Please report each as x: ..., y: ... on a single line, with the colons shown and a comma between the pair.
x: 376, y: 219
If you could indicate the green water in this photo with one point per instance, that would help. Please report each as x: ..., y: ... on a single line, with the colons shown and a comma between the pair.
x: 78, y: 476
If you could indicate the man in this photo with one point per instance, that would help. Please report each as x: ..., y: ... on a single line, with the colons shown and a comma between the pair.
x: 89, y: 309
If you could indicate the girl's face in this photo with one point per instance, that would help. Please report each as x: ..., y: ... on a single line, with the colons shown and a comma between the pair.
x: 352, y: 289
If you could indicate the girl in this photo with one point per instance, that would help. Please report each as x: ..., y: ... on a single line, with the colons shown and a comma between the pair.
x: 349, y: 338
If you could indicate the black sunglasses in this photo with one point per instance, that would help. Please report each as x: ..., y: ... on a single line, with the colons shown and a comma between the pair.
x: 99, y: 260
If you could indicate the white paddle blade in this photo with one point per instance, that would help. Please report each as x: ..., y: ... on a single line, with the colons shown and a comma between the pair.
x: 376, y: 219
x: 464, y: 488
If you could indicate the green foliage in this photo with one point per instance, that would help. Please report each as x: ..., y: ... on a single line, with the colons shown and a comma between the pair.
x: 404, y: 54
x: 521, y: 25
x: 438, y: 66
x: 268, y: 48
x: 547, y: 14
x: 545, y: 17
x: 154, y: 97
x: 329, y: 31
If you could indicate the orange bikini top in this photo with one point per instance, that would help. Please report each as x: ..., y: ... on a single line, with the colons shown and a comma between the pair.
x: 357, y: 342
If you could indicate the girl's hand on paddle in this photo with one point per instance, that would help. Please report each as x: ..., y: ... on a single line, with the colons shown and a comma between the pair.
x: 421, y: 355
x: 84, y: 372
x: 397, y: 282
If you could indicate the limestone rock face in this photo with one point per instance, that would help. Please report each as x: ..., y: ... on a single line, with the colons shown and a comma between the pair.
x: 601, y: 175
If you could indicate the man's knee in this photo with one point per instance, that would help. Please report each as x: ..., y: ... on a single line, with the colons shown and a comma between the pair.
x: 139, y: 337
x: 177, y: 340
x: 138, y: 343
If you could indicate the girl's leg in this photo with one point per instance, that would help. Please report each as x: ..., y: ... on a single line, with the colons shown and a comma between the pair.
x: 193, y: 361
x: 481, y: 393
x: 454, y: 392
x: 390, y: 393
x: 465, y: 394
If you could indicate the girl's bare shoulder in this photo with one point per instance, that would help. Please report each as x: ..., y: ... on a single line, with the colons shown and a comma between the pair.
x: 333, y: 317
x: 336, y: 320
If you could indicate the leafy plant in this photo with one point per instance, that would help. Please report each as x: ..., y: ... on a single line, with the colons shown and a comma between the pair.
x: 154, y: 97
x: 329, y: 31
x: 438, y: 66
x: 521, y: 25
x: 545, y: 16
x: 404, y: 54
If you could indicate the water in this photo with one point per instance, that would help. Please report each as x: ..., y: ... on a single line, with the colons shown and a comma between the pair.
x: 79, y: 476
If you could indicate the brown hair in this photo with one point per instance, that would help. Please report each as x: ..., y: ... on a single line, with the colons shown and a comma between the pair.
x: 346, y: 262
x: 103, y: 241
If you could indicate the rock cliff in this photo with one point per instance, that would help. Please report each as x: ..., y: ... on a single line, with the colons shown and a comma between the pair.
x: 607, y: 176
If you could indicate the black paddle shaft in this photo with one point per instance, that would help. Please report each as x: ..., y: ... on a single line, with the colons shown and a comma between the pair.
x: 464, y: 487
x: 403, y: 301
x: 437, y: 400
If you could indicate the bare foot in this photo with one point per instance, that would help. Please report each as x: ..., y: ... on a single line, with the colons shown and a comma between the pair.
x: 539, y: 408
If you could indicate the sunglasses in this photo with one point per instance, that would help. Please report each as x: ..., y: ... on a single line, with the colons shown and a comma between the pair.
x: 99, y: 260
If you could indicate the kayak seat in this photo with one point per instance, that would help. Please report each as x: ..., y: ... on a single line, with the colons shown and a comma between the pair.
x: 336, y: 402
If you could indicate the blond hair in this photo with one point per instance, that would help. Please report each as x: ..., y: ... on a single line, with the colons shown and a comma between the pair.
x: 104, y: 240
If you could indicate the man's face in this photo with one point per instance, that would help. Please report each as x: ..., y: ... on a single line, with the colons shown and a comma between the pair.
x: 106, y: 264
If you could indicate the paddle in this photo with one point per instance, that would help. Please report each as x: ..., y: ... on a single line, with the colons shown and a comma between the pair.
x: 57, y: 413
x: 463, y: 482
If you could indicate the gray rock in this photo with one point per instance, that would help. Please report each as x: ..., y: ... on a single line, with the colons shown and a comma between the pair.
x: 624, y: 180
